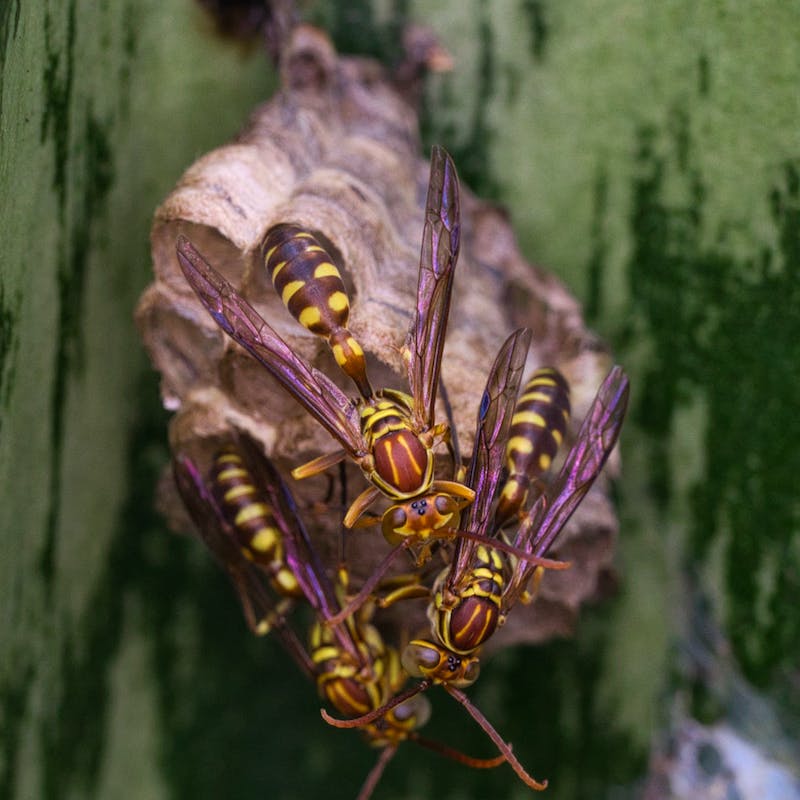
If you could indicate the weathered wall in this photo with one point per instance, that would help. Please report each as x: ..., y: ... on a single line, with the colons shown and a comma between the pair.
x: 650, y: 156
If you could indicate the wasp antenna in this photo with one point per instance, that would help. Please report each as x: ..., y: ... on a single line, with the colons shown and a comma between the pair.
x: 371, y: 716
x: 387, y: 754
x: 500, y: 743
x: 504, y: 547
x: 368, y: 588
x: 456, y: 755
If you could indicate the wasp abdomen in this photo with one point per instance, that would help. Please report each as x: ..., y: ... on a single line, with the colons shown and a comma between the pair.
x: 537, y: 430
x: 311, y: 287
x: 257, y: 533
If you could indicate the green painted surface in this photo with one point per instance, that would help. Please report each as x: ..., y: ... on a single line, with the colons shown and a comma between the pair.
x: 650, y: 154
x: 99, y: 117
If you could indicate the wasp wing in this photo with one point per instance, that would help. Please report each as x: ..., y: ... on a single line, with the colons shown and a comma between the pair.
x: 550, y: 513
x: 258, y: 603
x: 440, y: 243
x: 494, y: 420
x: 314, y: 391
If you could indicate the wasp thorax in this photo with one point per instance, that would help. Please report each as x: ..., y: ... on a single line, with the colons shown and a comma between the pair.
x: 470, y: 624
x: 402, y: 464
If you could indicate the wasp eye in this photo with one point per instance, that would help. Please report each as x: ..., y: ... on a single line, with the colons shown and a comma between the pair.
x: 398, y: 517
x: 419, y: 655
x: 444, y: 504
x: 470, y: 674
x: 416, y: 709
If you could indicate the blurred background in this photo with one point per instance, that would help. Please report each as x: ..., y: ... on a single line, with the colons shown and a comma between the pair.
x: 649, y: 156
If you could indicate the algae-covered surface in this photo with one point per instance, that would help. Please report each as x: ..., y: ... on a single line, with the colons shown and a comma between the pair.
x: 648, y: 154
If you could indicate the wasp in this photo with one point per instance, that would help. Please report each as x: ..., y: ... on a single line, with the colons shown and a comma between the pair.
x: 389, y: 434
x: 354, y: 669
x: 473, y: 596
x: 537, y: 431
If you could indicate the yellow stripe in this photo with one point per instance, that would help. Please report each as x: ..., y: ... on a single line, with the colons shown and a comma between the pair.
x: 250, y: 512
x: 229, y: 473
x: 510, y: 489
x: 521, y: 417
x: 519, y: 444
x: 245, y: 490
x: 309, y: 316
x: 324, y: 653
x: 388, y: 448
x: 528, y: 396
x: 325, y: 269
x: 417, y: 467
x: 557, y: 437
x: 339, y: 355
x: 275, y: 269
x: 544, y: 462
x: 342, y: 694
x: 265, y: 540
x: 338, y: 302
x: 290, y: 290
x: 467, y: 626
x: 286, y: 581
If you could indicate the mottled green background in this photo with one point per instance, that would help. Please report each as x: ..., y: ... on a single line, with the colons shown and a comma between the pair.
x: 649, y: 154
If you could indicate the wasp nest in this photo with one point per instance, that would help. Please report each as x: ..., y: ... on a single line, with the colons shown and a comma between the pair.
x: 337, y: 151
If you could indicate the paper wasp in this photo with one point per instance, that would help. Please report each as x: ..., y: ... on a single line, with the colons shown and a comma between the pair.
x: 537, y: 431
x: 389, y: 434
x: 473, y: 596
x: 354, y: 669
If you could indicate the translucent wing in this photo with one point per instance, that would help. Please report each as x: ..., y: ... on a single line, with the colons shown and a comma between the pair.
x: 551, y: 512
x: 440, y: 242
x: 494, y: 419
x: 313, y: 390
x: 258, y: 603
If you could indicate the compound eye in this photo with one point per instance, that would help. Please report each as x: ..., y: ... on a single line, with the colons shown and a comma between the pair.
x: 416, y: 709
x: 397, y: 516
x: 444, y: 504
x: 471, y: 674
x: 419, y: 656
x: 394, y: 520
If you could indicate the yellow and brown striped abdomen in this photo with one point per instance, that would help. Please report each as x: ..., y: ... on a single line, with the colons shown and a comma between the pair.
x: 537, y: 430
x: 251, y: 518
x: 311, y: 287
